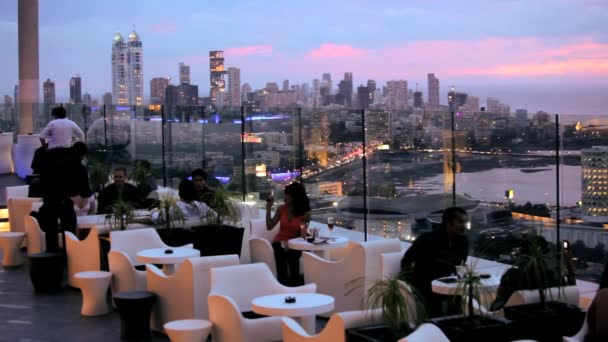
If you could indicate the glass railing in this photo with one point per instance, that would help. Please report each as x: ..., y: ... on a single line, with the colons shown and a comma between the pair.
x: 385, y: 173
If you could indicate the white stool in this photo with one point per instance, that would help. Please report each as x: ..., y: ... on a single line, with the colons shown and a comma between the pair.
x: 10, y: 243
x: 188, y: 330
x: 94, y: 286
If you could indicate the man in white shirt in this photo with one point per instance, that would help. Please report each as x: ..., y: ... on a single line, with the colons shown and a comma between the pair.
x: 61, y: 132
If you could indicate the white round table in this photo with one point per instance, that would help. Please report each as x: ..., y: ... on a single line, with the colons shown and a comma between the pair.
x: 305, y: 308
x: 490, y: 285
x: 321, y: 249
x: 158, y: 256
x: 10, y: 243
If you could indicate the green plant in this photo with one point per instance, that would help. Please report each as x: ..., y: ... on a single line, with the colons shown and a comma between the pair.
x: 122, y: 214
x: 400, y: 304
x: 224, y: 207
x: 169, y: 213
x: 471, y: 288
x: 98, y: 175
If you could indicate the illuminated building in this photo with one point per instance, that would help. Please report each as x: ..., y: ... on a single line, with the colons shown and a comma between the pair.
x: 216, y: 75
x: 594, y: 168
x: 184, y: 73
x: 75, y: 90
x: 119, y: 71
x: 433, y: 84
x: 456, y: 99
x: 49, y: 92
x: 135, y: 70
x: 325, y: 188
x: 158, y: 86
x: 396, y: 93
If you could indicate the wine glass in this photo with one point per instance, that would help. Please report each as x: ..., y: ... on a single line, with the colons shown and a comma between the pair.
x: 330, y: 225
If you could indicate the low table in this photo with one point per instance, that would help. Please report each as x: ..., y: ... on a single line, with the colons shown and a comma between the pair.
x: 158, y: 256
x: 449, y: 288
x: 321, y: 249
x: 305, y: 308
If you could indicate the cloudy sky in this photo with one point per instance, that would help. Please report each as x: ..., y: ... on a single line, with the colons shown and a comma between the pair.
x: 535, y: 54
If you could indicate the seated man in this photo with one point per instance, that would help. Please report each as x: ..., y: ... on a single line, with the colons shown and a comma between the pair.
x: 436, y: 254
x: 190, y: 208
x: 203, y: 192
x: 119, y: 189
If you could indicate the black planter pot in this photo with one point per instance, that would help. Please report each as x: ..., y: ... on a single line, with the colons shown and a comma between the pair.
x: 477, y: 328
x: 547, y: 323
x: 218, y: 239
x: 375, y: 333
x: 176, y: 237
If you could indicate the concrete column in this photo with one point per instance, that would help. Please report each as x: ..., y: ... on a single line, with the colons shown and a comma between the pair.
x: 28, y: 65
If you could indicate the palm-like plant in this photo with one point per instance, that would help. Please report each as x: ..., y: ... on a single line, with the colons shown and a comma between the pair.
x: 122, y: 214
x: 224, y: 206
x: 401, y: 305
x: 98, y: 175
x: 471, y: 287
x: 169, y: 212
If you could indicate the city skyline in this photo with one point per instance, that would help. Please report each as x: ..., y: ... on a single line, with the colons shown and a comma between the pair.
x: 558, y: 64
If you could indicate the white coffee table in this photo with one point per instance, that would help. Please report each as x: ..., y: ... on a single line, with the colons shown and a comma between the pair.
x: 321, y: 249
x: 489, y: 285
x: 158, y: 256
x: 305, y: 308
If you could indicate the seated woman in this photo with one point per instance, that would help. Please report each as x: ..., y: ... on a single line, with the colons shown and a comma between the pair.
x: 190, y: 208
x: 597, y: 318
x: 296, y: 210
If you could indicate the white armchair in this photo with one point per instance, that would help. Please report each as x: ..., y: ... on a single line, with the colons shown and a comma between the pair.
x: 229, y: 325
x: 6, y: 156
x: 335, y: 329
x: 260, y: 244
x: 18, y: 208
x: 122, y: 257
x: 18, y: 191
x: 391, y: 264
x: 36, y: 238
x: 426, y: 332
x: 82, y: 255
x: 184, y: 294
x: 567, y: 294
x: 228, y: 299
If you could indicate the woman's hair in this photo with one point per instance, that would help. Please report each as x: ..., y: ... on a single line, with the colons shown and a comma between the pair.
x: 187, y: 191
x: 300, y: 202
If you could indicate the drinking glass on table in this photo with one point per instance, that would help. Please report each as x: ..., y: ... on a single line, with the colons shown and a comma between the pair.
x: 330, y: 225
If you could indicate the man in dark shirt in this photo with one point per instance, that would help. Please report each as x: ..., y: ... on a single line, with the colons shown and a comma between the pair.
x: 436, y: 254
x: 203, y: 193
x: 39, y: 162
x: 119, y: 189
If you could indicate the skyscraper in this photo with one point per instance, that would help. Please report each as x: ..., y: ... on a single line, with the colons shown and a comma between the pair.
x: 135, y: 70
x: 119, y: 71
x: 49, y: 92
x: 363, y: 96
x: 107, y: 99
x: 75, y: 90
x: 396, y: 93
x: 285, y: 85
x: 371, y: 86
x: 216, y: 75
x: 456, y: 99
x: 158, y: 85
x: 181, y: 95
x: 418, y: 101
x: 184, y: 73
x: 86, y: 99
x: 326, y: 82
x: 234, y: 87
x: 594, y: 169
x: 348, y: 89
x: 246, y: 89
x: 433, y: 83
x: 316, y: 93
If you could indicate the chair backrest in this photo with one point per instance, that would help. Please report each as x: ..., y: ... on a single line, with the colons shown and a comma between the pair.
x: 373, y: 251
x: 19, y: 191
x: 18, y: 208
x: 261, y: 251
x: 391, y: 264
x: 218, y: 239
x: 201, y: 274
x: 258, y: 229
x: 566, y: 294
x: 132, y: 241
x: 6, y: 156
x: 36, y: 242
x: 242, y: 283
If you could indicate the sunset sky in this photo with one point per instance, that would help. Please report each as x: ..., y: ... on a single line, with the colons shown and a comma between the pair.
x: 535, y: 54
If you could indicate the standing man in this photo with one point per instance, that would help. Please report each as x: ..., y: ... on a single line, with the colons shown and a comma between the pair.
x: 436, y: 254
x: 57, y: 177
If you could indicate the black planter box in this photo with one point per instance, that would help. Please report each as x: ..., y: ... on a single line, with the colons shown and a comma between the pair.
x: 375, y: 333
x: 176, y: 237
x: 548, y: 323
x: 477, y: 328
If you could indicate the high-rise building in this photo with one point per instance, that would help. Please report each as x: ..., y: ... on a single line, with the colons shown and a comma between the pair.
x: 75, y: 90
x: 158, y: 86
x: 472, y: 104
x: 86, y: 99
x: 234, y: 87
x: 326, y: 82
x: 363, y: 96
x: 49, y: 92
x: 181, y: 95
x: 348, y: 89
x: 135, y: 70
x: 316, y: 93
x: 396, y: 94
x: 521, y: 114
x: 456, y: 99
x: 418, y: 100
x: 184, y: 73
x: 120, y: 86
x: 245, y: 90
x: 107, y: 99
x: 285, y: 85
x: 216, y: 75
x: 594, y: 169
x: 371, y: 86
x: 433, y: 84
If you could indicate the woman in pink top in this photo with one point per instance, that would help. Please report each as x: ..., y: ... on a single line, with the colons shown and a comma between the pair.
x: 296, y: 210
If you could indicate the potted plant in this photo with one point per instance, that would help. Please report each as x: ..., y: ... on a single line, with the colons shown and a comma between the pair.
x: 142, y: 176
x: 225, y: 210
x: 400, y: 306
x: 98, y: 176
x: 122, y: 214
x: 171, y: 219
x: 470, y: 292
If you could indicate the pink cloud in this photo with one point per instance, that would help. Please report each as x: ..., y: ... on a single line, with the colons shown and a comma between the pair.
x: 334, y: 50
x: 239, y: 51
x: 164, y: 27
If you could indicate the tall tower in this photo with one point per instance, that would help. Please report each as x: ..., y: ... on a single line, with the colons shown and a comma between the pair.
x: 184, y: 73
x: 326, y: 81
x: 49, y: 92
x: 119, y: 71
x: 594, y: 171
x: 135, y: 70
x: 75, y: 90
x: 234, y: 87
x: 158, y: 86
x: 433, y: 83
x: 216, y: 75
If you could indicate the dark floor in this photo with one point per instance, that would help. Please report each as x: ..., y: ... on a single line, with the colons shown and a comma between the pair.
x: 8, y: 179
